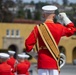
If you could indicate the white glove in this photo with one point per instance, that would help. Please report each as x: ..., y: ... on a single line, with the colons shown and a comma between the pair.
x: 64, y: 17
x: 33, y: 54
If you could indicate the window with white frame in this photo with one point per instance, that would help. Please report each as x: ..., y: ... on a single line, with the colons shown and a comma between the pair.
x: 17, y: 33
x: 12, y: 33
x: 7, y: 33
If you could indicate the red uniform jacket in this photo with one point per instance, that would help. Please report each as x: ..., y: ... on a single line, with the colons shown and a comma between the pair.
x: 5, y: 69
x: 45, y: 59
x: 28, y: 64
x: 11, y: 61
x: 22, y: 68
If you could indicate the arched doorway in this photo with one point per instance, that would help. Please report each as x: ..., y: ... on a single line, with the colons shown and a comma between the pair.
x: 14, y: 48
x: 74, y: 56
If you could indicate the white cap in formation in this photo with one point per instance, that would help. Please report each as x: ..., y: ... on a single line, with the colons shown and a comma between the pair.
x: 49, y: 8
x: 11, y: 52
x: 22, y: 55
x: 4, y: 55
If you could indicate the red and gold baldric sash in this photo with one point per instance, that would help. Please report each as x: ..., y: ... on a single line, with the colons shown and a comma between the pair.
x: 49, y: 42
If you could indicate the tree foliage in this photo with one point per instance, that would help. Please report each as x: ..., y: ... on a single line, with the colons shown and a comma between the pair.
x: 37, y: 15
x: 65, y: 2
x: 5, y: 14
x: 21, y: 11
x: 29, y: 16
x: 8, y: 16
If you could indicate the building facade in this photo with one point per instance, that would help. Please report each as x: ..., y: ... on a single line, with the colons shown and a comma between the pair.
x: 12, y: 36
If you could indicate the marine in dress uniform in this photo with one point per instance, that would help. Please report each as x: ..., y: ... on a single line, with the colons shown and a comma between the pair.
x: 11, y: 61
x: 22, y: 67
x: 46, y: 63
x: 5, y: 69
x: 27, y: 62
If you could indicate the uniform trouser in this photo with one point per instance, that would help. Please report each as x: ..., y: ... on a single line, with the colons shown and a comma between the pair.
x: 47, y: 72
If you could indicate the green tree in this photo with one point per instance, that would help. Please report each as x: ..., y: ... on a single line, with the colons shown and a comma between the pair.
x: 1, y: 14
x: 9, y: 3
x: 32, y: 3
x: 37, y: 15
x: 29, y: 16
x: 20, y: 12
x: 5, y: 14
x: 40, y: 4
x: 65, y: 2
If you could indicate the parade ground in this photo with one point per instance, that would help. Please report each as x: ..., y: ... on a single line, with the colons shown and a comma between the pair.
x: 68, y: 70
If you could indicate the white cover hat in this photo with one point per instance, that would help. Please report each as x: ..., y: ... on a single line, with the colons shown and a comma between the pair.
x: 11, y: 52
x: 49, y: 8
x: 24, y: 53
x: 27, y: 56
x: 4, y: 55
x: 23, y: 56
